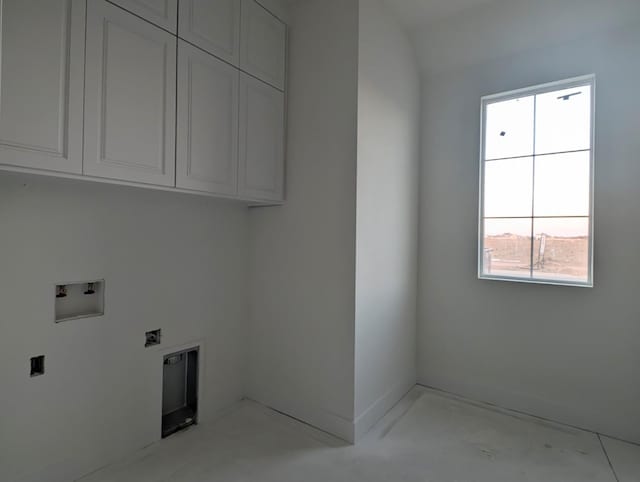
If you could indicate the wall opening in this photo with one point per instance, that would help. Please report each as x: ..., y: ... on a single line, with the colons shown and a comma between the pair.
x: 179, y: 391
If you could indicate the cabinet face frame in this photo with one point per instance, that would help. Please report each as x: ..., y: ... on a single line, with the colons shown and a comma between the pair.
x: 100, y: 18
x: 66, y: 156
x: 227, y: 49
x: 251, y: 124
x: 166, y: 18
x: 263, y: 53
x: 190, y: 59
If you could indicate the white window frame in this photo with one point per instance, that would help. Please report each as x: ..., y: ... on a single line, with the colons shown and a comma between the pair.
x: 529, y: 91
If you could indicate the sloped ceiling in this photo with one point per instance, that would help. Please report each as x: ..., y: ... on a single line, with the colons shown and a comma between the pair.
x: 452, y: 34
x: 416, y: 14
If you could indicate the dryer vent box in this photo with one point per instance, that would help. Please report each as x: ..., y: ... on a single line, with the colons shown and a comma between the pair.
x: 179, y: 391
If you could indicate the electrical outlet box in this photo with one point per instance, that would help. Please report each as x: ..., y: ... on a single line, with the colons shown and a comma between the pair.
x: 152, y: 338
x: 37, y: 365
x: 83, y: 299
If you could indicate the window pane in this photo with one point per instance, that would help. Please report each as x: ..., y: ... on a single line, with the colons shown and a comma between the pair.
x: 563, y: 185
x: 508, y: 187
x: 561, y: 249
x: 509, y: 128
x: 507, y: 247
x: 563, y: 120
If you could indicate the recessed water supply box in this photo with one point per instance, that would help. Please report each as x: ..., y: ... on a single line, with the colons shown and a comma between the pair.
x: 78, y: 300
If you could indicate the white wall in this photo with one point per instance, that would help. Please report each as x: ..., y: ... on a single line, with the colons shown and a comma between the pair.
x: 569, y: 354
x: 387, y: 215
x: 303, y: 253
x: 170, y: 261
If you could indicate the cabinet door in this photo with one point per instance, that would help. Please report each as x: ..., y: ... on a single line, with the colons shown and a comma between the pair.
x: 207, y: 122
x: 261, y: 166
x: 263, y: 44
x: 129, y: 98
x: 212, y: 25
x: 163, y: 13
x: 41, y: 87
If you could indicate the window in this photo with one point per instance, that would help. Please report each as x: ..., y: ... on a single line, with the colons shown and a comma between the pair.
x: 536, y: 178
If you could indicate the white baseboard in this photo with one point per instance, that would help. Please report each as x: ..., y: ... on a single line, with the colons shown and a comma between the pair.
x: 306, y: 412
x: 348, y: 430
x: 367, y: 419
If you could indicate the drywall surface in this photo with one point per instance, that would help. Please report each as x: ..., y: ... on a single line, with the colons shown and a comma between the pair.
x: 301, y: 350
x: 569, y: 354
x: 387, y: 215
x: 170, y: 261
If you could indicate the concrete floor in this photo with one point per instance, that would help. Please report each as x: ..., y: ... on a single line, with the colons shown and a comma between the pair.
x: 427, y: 437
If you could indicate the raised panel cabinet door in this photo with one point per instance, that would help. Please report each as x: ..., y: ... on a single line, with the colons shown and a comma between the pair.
x: 130, y: 98
x: 163, y: 13
x: 212, y: 25
x: 207, y: 142
x: 263, y: 44
x: 41, y: 85
x: 261, y: 166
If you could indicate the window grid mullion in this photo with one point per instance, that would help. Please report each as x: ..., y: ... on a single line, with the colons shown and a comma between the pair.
x: 573, y: 216
x: 533, y: 181
x: 558, y: 153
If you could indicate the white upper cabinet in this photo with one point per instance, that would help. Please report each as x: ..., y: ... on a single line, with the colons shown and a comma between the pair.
x: 42, y: 43
x: 207, y: 122
x: 263, y: 44
x: 103, y: 90
x: 163, y: 13
x: 212, y: 25
x: 261, y: 167
x: 130, y: 103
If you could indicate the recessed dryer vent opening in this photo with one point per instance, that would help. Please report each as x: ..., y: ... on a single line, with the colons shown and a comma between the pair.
x: 179, y: 391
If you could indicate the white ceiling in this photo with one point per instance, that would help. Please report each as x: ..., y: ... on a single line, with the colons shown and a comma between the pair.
x: 452, y: 34
x: 415, y: 14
